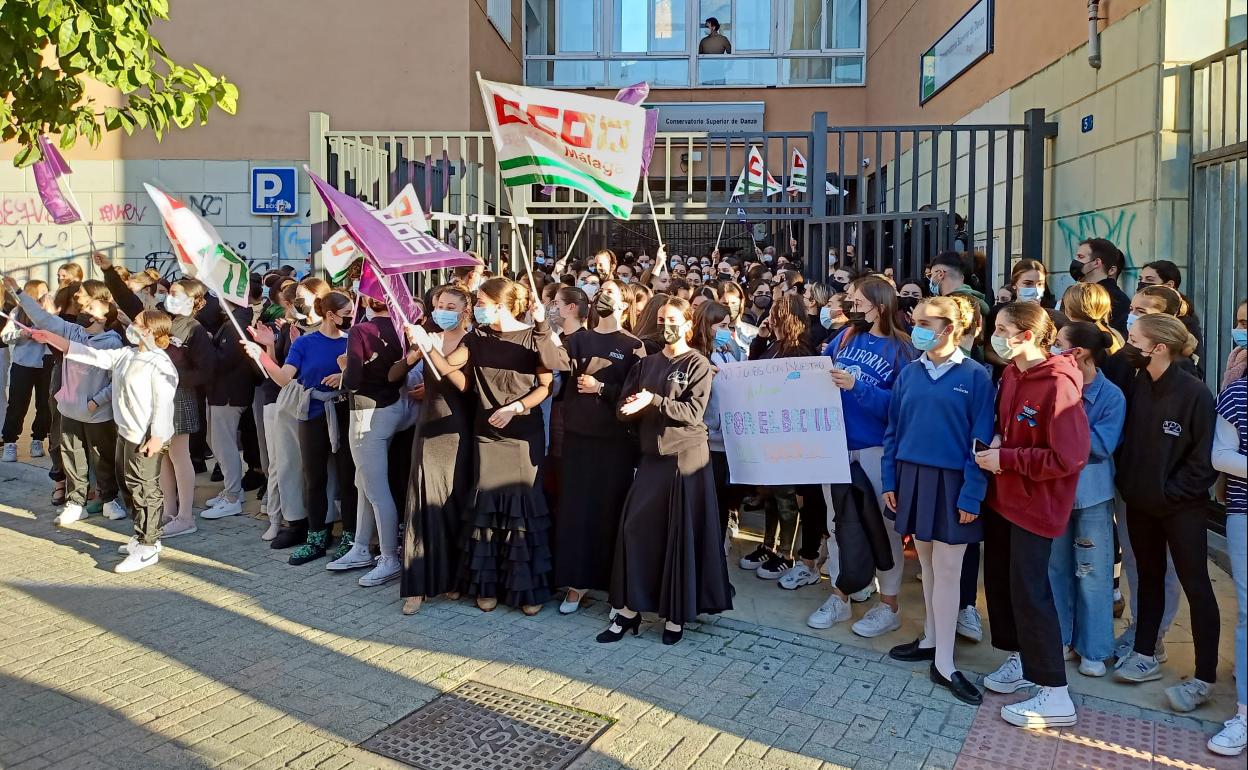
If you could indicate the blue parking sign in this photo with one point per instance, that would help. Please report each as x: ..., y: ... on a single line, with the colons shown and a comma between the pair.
x: 274, y: 191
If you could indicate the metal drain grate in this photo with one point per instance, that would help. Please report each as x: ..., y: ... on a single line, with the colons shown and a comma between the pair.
x: 478, y: 727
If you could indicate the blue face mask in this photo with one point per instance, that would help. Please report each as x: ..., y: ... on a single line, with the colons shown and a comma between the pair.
x: 1240, y: 337
x: 1029, y: 294
x: 446, y: 319
x: 723, y: 337
x: 484, y: 316
x: 933, y: 287
x: 825, y: 317
x: 1131, y: 319
x: 923, y: 339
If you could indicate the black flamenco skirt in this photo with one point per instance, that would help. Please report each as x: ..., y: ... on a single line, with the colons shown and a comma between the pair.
x: 594, y: 483
x: 505, y: 544
x: 437, y: 494
x: 669, y: 556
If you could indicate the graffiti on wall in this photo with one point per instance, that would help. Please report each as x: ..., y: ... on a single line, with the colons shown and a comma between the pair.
x: 295, y: 239
x: 1111, y: 225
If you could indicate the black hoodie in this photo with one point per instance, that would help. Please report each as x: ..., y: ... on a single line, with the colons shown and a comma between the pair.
x: 1164, y: 460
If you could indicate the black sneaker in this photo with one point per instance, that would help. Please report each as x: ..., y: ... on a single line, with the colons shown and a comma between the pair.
x: 290, y: 535
x: 755, y: 559
x: 216, y: 474
x: 774, y: 567
x: 253, y: 480
x: 199, y: 465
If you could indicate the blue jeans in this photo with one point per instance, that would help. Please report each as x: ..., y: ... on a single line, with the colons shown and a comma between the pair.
x: 1237, y: 544
x: 1081, y: 572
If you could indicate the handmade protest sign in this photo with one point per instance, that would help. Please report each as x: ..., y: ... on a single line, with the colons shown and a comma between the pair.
x: 782, y: 422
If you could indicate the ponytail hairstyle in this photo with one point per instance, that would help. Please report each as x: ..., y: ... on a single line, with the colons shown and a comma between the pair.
x: 1090, y: 337
x: 159, y: 324
x: 570, y: 295
x: 1031, y: 317
x: 97, y: 291
x: 1167, y: 271
x: 955, y: 309
x: 1172, y: 302
x: 705, y: 317
x: 1090, y: 302
x: 508, y: 294
x: 334, y: 301
x: 1169, y: 331
x: 196, y: 291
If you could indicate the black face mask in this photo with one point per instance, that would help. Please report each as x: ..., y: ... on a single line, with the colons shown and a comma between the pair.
x: 762, y: 302
x: 1076, y: 269
x: 1141, y: 286
x: 604, y: 304
x: 838, y: 287
x: 908, y: 304
x: 724, y: 277
x: 301, y: 307
x: 345, y: 323
x: 86, y: 319
x: 1135, y: 356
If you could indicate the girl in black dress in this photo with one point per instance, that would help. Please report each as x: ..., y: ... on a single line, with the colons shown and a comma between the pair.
x: 438, y: 494
x: 504, y: 546
x: 599, y: 453
x: 669, y: 553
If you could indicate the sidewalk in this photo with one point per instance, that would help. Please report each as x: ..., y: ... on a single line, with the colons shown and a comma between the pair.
x: 225, y: 656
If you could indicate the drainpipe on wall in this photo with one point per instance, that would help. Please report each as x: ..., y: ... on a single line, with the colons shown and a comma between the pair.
x: 1094, y: 34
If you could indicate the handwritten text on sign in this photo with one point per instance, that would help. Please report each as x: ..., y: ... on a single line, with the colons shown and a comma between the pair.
x: 782, y: 422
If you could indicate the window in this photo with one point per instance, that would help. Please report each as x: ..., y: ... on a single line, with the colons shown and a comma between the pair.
x: 612, y: 43
x: 499, y: 12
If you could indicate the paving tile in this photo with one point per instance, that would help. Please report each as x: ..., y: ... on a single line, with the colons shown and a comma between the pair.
x: 1182, y: 749
x: 1108, y: 741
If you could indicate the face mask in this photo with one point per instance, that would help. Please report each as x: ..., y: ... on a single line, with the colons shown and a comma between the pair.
x: 1002, y: 347
x: 762, y: 301
x: 552, y: 313
x: 923, y: 339
x: 590, y: 289
x: 1076, y: 269
x: 724, y: 276
x: 1141, y: 286
x: 1055, y: 350
x: 825, y: 317
x: 135, y: 336
x: 303, y: 311
x: 161, y: 298
x: 369, y: 314
x: 1029, y: 294
x: 179, y: 305
x: 723, y: 337
x: 1131, y: 319
x: 624, y: 279
x: 908, y: 304
x: 345, y: 323
x: 86, y: 319
x: 1239, y: 337
x: 673, y: 333
x: 593, y: 269
x: 838, y: 287
x: 475, y: 284
x: 933, y: 287
x: 605, y: 305
x: 1135, y: 356
x: 446, y: 319
x: 484, y: 316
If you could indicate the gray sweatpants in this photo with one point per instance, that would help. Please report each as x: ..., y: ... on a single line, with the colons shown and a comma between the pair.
x: 223, y: 438
x: 369, y: 434
x: 141, y: 477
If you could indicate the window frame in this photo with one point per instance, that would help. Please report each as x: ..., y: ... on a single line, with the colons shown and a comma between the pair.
x: 494, y: 6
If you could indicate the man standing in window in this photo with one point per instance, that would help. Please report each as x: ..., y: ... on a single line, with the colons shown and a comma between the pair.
x: 713, y: 43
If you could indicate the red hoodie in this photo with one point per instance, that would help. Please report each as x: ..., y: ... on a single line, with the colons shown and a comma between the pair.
x: 1044, y: 445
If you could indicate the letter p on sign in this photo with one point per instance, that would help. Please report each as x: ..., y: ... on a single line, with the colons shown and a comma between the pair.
x: 274, y: 191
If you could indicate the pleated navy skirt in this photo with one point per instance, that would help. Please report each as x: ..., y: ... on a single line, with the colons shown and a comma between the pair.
x: 927, y: 505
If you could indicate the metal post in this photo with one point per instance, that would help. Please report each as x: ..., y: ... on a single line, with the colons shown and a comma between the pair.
x: 1038, y: 131
x: 817, y: 194
x: 318, y: 161
x: 276, y: 260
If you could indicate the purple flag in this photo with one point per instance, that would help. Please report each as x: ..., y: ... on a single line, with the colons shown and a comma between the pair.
x: 636, y: 94
x: 393, y: 243
x: 48, y: 172
x: 403, y: 308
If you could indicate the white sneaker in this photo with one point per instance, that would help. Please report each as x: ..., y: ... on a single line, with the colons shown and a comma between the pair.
x: 1093, y: 668
x: 1137, y: 668
x: 140, y: 557
x: 1188, y: 696
x: 798, y: 575
x: 388, y: 568
x: 215, y: 500
x: 1009, y: 677
x: 358, y: 556
x: 176, y: 527
x: 114, y: 510
x: 36, y: 448
x: 834, y: 610
x: 223, y: 509
x: 858, y: 597
x: 275, y: 526
x: 1051, y: 707
x: 10, y: 453
x: 970, y: 626
x: 124, y: 548
x: 1231, y: 740
x: 70, y: 513
x: 878, y: 621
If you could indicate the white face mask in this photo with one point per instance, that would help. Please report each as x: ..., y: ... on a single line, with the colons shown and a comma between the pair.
x: 135, y: 336
x: 179, y: 304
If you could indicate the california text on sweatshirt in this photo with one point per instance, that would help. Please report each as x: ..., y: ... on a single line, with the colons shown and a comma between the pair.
x: 1044, y: 445
x: 875, y: 363
x: 1164, y: 461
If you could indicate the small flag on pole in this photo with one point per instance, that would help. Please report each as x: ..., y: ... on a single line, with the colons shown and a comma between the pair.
x: 51, y: 179
x: 200, y: 251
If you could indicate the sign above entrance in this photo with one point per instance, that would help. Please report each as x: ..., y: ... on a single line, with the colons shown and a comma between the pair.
x: 709, y: 116
x: 966, y: 42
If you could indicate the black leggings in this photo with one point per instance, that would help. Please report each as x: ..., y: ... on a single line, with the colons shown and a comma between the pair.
x: 1183, y: 531
x: 26, y: 382
x: 728, y: 495
x: 317, y: 455
x: 814, y: 520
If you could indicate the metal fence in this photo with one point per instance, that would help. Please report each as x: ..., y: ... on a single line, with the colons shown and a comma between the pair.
x: 1218, y: 273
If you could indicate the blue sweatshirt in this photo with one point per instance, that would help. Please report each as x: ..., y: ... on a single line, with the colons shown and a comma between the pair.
x: 933, y: 423
x: 874, y: 362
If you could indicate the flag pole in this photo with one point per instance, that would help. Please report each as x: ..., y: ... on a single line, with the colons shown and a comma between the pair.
x: 395, y: 307
x: 229, y: 313
x: 654, y: 216
x: 524, y: 252
x: 568, y: 252
x: 722, y: 223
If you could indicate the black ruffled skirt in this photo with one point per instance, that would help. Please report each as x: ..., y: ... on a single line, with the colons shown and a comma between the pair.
x: 438, y: 501
x: 505, y: 544
x: 669, y: 556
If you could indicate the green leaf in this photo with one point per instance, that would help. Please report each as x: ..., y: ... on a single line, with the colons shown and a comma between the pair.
x: 26, y: 155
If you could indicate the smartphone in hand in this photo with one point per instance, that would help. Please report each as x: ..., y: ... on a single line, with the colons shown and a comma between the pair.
x: 978, y: 446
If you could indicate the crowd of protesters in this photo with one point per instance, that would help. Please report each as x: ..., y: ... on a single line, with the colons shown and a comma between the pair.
x: 558, y: 436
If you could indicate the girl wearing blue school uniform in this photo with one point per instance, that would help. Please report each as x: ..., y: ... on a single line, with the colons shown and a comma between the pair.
x: 933, y: 488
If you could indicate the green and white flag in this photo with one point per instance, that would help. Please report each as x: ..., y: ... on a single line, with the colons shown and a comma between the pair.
x: 755, y: 178
x: 567, y: 140
x: 200, y: 251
